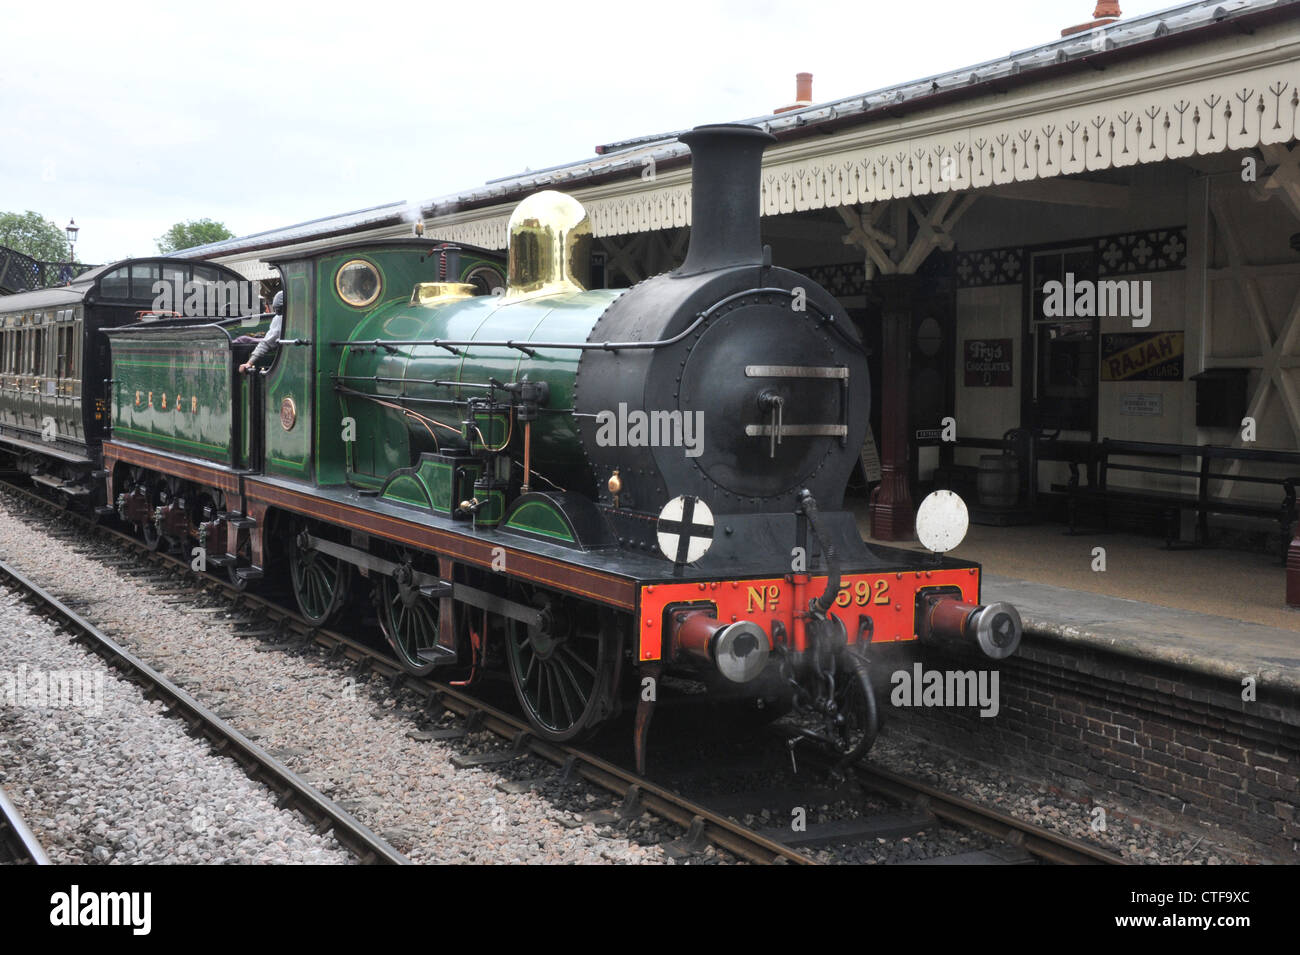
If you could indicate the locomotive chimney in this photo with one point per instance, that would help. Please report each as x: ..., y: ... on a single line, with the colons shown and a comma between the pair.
x: 726, y: 176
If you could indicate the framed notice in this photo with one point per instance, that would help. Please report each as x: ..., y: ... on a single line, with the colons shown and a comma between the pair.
x: 1142, y: 356
x: 987, y: 362
x: 1142, y: 405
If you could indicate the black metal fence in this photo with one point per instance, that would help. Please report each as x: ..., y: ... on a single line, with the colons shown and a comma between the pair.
x: 22, y: 273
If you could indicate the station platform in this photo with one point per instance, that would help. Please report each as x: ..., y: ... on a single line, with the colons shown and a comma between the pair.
x: 1217, y: 612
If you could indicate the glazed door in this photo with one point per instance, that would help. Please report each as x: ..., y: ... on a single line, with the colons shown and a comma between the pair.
x: 287, y: 410
x: 1061, y: 389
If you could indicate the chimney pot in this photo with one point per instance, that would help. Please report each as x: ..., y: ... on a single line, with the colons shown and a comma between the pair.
x: 803, y: 87
x: 1106, y: 9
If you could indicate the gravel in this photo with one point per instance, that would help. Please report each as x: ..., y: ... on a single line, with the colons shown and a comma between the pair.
x: 103, y: 776
x: 320, y: 719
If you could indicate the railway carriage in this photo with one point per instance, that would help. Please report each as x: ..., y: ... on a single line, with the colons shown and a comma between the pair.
x: 590, y: 487
x: 54, y: 362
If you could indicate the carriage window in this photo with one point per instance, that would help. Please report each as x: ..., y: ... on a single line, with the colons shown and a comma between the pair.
x: 63, y: 353
x: 142, y: 279
x: 357, y: 283
x: 177, y: 275
x: 116, y: 284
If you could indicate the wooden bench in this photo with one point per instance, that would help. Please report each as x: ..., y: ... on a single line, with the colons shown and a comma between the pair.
x: 1110, y: 456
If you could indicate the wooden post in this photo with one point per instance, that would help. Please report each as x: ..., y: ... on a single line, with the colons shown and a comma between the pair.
x: 892, y: 514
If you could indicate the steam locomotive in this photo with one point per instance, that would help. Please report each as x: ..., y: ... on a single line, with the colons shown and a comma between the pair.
x: 589, y: 487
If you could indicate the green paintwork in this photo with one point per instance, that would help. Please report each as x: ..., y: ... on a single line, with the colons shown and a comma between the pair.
x: 438, y: 475
x: 153, y: 368
x: 288, y: 453
x: 493, y: 508
x: 540, y: 517
x: 381, y: 445
x: 406, y: 489
x: 387, y: 441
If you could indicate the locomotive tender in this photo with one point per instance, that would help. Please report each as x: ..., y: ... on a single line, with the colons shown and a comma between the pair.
x: 476, y: 459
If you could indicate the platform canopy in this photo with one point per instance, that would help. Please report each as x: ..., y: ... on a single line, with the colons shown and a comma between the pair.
x: 1191, y: 81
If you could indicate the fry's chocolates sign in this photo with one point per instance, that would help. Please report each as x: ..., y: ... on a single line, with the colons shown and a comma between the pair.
x: 987, y: 362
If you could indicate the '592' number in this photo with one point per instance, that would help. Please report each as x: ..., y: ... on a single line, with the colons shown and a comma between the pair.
x: 862, y: 592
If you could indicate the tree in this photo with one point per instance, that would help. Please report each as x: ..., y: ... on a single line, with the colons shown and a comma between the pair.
x: 32, y: 234
x: 186, y: 235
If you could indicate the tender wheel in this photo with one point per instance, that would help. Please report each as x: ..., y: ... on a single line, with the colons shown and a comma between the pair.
x: 853, y: 721
x: 408, y: 619
x: 320, y: 582
x: 565, y: 672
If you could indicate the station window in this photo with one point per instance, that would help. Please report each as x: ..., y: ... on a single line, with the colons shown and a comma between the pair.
x: 357, y: 283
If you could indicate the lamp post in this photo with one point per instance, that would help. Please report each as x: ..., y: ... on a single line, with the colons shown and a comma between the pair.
x: 72, y: 229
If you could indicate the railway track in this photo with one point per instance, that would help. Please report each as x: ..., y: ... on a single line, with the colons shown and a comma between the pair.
x: 294, y: 792
x: 18, y: 844
x: 704, y: 824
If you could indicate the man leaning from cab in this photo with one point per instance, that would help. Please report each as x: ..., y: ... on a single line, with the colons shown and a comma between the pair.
x: 270, y: 340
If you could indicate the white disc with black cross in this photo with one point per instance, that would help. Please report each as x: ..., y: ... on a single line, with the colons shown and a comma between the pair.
x: 685, y: 529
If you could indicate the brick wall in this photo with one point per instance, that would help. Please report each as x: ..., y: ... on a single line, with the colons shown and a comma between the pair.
x: 1168, y: 741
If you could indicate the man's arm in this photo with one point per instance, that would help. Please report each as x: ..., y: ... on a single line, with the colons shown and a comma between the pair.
x: 269, y: 341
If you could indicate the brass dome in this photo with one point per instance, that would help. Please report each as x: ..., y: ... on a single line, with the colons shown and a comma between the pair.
x: 549, y: 246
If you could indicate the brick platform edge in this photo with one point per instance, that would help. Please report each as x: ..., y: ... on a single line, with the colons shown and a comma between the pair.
x: 1173, y: 740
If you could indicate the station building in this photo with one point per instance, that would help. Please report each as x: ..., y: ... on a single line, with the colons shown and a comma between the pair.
x: 1077, y: 267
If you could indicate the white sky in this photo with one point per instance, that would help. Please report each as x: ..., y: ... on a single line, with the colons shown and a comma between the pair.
x: 131, y: 117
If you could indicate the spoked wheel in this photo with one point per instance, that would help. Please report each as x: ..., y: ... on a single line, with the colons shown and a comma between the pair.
x: 408, y: 619
x: 565, y: 672
x: 320, y: 582
x: 853, y: 721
